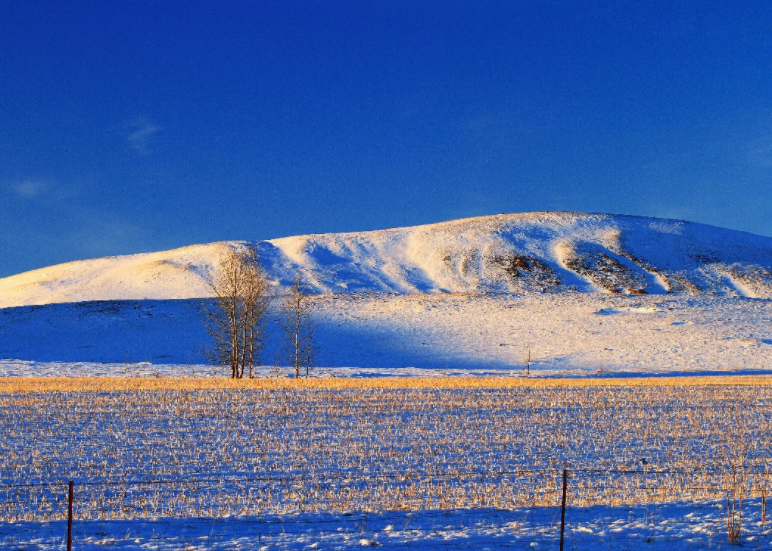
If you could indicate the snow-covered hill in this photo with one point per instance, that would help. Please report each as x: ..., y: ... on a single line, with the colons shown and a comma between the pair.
x: 582, y: 292
x: 545, y: 251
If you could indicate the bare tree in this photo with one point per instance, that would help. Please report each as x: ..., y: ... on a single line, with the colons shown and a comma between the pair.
x: 236, y: 319
x: 298, y: 327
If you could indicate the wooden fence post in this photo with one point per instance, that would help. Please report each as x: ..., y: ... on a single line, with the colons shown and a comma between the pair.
x: 69, y: 516
x: 563, y: 508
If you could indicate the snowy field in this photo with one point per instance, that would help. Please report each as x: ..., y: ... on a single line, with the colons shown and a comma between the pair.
x: 661, y: 527
x: 567, y: 334
x: 401, y: 462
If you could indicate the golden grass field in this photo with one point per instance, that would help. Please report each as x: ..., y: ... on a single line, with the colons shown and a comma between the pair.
x: 17, y: 385
x: 186, y: 446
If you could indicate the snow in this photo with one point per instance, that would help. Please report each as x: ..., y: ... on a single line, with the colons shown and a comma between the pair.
x: 660, y: 527
x: 547, y: 251
x: 107, y: 437
x: 179, y: 273
x: 584, y: 292
x: 426, y: 466
x: 368, y: 334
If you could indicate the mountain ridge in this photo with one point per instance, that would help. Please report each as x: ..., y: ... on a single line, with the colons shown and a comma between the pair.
x: 542, y: 252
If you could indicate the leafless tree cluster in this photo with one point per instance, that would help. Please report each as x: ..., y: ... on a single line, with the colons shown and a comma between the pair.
x: 298, y: 328
x: 236, y: 321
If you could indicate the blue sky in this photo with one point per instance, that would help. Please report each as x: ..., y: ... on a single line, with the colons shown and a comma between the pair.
x: 137, y: 126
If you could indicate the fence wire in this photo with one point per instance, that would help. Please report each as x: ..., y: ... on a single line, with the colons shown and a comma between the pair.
x: 616, y: 509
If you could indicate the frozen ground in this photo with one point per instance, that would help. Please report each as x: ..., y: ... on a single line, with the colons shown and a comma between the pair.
x: 567, y: 334
x: 421, y: 466
x: 662, y: 527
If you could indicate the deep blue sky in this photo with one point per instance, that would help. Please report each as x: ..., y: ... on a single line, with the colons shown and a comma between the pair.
x: 136, y: 126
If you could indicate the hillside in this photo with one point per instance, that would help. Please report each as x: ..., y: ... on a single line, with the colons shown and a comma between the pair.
x: 542, y: 252
x: 584, y: 293
x: 566, y: 333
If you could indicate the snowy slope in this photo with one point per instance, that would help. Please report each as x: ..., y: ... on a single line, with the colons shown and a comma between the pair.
x: 549, y: 251
x: 179, y: 273
x: 566, y: 333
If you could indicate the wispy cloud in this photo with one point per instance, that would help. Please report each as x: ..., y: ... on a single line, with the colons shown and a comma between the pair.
x: 44, y: 190
x: 141, y: 131
x: 30, y: 189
